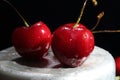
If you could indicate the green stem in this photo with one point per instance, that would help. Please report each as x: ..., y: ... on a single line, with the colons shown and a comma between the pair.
x: 25, y: 22
x: 105, y: 31
x: 98, y: 21
x: 81, y: 13
x: 117, y: 78
x: 95, y: 3
x: 100, y: 15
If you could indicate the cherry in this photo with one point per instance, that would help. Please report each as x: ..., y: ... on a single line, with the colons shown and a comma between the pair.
x: 72, y: 43
x: 117, y: 62
x: 33, y: 41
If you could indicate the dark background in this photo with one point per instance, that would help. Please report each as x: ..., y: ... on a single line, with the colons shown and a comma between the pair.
x: 57, y: 12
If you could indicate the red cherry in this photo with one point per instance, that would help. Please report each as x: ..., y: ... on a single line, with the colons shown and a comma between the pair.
x: 117, y: 62
x: 32, y: 42
x: 72, y: 45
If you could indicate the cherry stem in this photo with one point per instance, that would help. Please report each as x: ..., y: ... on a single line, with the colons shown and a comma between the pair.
x: 100, y: 15
x: 117, y: 78
x: 105, y: 31
x: 95, y: 3
x: 25, y: 22
x: 81, y: 13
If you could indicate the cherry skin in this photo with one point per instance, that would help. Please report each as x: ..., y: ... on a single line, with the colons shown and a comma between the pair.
x: 32, y: 42
x: 72, y: 45
x: 117, y: 62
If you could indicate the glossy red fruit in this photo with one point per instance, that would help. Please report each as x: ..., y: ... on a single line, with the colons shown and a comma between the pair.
x: 117, y: 61
x: 32, y: 42
x: 72, y: 45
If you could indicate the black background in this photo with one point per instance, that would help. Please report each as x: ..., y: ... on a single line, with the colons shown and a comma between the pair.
x: 57, y: 12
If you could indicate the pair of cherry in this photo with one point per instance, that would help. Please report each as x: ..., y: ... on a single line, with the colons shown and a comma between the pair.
x: 71, y: 43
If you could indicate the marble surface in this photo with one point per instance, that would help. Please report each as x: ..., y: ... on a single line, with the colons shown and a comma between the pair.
x: 100, y: 65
